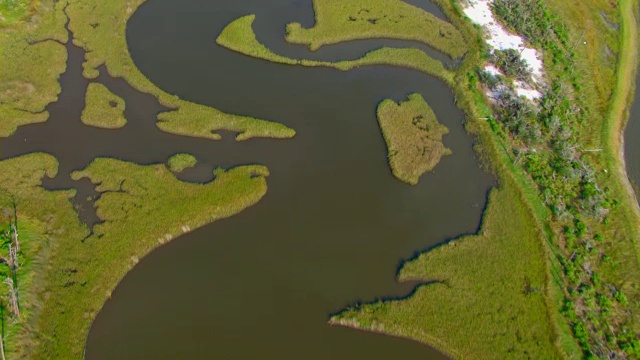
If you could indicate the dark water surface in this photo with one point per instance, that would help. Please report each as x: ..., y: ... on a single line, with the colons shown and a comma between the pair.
x: 334, y: 225
x: 632, y: 141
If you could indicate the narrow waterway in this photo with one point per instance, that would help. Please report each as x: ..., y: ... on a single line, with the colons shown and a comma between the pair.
x: 632, y: 143
x: 332, y: 229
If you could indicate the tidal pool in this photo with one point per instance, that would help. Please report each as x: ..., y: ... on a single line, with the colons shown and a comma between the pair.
x: 334, y: 226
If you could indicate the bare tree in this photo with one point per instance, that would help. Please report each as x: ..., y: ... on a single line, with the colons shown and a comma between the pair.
x: 13, y: 255
x: 2, y: 348
x: 8, y: 260
x: 13, y: 297
x: 14, y: 236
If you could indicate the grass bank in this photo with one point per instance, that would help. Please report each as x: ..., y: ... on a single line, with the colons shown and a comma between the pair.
x: 82, y: 268
x: 339, y: 21
x: 413, y: 136
x: 103, y: 108
x: 100, y: 28
x: 613, y: 127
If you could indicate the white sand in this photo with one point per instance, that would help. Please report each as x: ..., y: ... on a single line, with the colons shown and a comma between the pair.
x: 479, y: 11
x: 493, y: 70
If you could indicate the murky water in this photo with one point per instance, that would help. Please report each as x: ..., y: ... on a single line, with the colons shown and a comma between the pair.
x: 332, y: 229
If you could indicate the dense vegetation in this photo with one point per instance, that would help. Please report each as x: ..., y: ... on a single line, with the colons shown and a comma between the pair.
x: 546, y: 140
x: 413, y: 136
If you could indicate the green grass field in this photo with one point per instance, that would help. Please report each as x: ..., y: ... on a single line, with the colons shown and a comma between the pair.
x: 103, y: 108
x: 338, y: 21
x: 413, y: 136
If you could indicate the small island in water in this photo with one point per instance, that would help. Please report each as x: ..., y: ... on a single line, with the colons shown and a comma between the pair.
x: 413, y: 136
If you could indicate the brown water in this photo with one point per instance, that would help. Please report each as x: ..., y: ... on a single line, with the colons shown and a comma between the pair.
x: 334, y: 226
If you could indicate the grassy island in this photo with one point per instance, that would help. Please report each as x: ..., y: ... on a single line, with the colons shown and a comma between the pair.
x: 338, y: 21
x: 413, y: 136
x: 103, y: 108
x: 179, y: 162
x: 239, y: 37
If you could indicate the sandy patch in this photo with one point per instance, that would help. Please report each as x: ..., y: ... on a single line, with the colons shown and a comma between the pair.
x: 498, y: 38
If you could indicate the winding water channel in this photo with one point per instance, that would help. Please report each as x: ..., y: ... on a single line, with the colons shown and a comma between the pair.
x: 332, y: 229
x: 631, y: 143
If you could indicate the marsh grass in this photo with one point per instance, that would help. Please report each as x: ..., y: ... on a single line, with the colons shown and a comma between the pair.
x: 83, y: 268
x: 100, y: 28
x: 103, y: 108
x: 31, y: 245
x: 193, y: 119
x: 413, y: 136
x: 240, y: 37
x: 179, y: 162
x: 339, y: 21
x: 32, y: 59
x: 486, y: 293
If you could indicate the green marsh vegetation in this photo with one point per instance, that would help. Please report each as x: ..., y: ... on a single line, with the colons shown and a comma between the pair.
x: 339, y: 21
x: 79, y: 268
x: 99, y: 28
x: 32, y: 58
x: 413, y: 136
x: 484, y: 296
x: 179, y: 162
x: 13, y: 10
x: 103, y: 108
